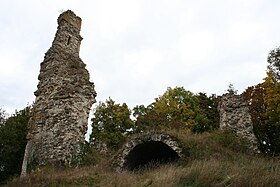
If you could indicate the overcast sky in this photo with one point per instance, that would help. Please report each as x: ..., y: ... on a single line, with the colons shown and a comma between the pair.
x: 135, y: 49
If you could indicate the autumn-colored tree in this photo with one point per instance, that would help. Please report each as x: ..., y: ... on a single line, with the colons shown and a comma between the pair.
x: 177, y: 104
x: 264, y: 106
x: 254, y: 96
x: 272, y: 114
x: 179, y: 108
x: 148, y: 119
x: 272, y: 100
x: 141, y: 110
x: 156, y: 122
x: 111, y: 123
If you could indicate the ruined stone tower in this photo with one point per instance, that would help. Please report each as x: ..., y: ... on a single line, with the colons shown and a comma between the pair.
x: 63, y: 100
x: 234, y: 116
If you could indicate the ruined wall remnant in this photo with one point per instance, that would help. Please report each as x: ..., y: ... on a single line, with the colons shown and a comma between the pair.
x: 146, y: 148
x: 234, y: 116
x: 63, y: 99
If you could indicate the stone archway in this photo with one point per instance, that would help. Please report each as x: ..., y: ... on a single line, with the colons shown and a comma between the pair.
x: 148, y: 148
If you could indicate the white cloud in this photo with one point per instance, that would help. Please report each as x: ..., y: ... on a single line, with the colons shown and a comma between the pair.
x: 10, y: 65
x: 135, y: 49
x: 196, y: 48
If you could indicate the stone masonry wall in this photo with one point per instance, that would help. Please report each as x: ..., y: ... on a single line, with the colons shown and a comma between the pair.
x: 234, y: 116
x: 63, y: 99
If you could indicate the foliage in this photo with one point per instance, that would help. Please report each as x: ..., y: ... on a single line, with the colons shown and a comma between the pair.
x: 272, y: 102
x: 220, y: 165
x: 207, y: 113
x: 177, y: 104
x: 273, y: 60
x: 89, y: 156
x: 156, y: 122
x: 179, y: 108
x: 264, y: 106
x: 12, y: 143
x: 254, y: 96
x: 111, y: 123
x: 2, y: 117
x: 231, y: 89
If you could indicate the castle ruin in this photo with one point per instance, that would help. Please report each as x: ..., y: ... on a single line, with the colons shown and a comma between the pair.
x: 64, y: 98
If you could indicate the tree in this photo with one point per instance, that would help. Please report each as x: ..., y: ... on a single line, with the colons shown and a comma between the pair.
x: 272, y: 114
x: 272, y: 100
x: 177, y: 104
x: 141, y: 110
x: 207, y: 113
x: 12, y: 143
x: 231, y: 89
x: 273, y: 60
x: 179, y: 108
x: 2, y: 117
x: 254, y: 96
x: 264, y: 106
x: 111, y: 123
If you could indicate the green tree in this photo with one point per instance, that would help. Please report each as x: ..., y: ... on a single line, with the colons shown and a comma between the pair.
x: 273, y: 60
x: 155, y: 121
x: 231, y: 89
x: 111, y: 123
x: 272, y: 100
x: 12, y: 143
x: 2, y: 117
x: 207, y: 115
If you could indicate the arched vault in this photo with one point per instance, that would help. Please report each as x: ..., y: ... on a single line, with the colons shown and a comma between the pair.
x: 146, y: 149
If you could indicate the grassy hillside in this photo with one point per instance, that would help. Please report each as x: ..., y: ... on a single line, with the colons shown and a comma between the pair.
x: 214, y: 159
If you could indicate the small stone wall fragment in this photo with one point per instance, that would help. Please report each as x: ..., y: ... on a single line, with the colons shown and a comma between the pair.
x: 234, y: 116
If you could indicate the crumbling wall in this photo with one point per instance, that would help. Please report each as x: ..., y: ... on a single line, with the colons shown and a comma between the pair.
x: 235, y: 116
x: 64, y: 98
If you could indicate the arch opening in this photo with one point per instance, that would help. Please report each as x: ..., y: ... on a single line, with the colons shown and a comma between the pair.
x: 150, y: 152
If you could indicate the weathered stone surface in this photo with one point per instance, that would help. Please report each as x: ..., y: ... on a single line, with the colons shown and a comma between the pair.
x: 63, y: 99
x: 120, y: 161
x: 234, y: 116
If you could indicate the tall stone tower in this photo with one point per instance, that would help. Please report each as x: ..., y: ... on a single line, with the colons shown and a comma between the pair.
x: 63, y: 100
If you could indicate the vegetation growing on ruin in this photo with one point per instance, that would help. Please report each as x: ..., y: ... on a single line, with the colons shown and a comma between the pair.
x: 215, y: 159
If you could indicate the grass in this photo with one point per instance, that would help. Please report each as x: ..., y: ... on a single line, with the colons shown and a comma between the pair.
x: 214, y: 159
